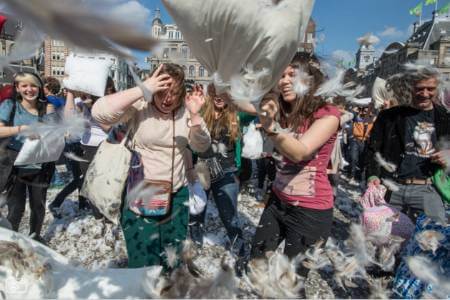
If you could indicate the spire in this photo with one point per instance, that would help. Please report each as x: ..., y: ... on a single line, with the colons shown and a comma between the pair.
x: 157, y: 13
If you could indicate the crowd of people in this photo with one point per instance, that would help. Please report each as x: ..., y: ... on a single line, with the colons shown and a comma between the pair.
x: 313, y: 140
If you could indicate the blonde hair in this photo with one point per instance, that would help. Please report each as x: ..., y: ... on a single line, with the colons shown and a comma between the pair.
x: 228, y: 118
x: 28, y: 78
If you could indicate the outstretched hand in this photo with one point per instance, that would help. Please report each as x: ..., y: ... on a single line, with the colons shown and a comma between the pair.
x: 158, y: 82
x: 195, y: 100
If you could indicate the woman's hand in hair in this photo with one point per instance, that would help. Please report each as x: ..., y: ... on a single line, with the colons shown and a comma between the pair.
x: 194, y: 102
x: 158, y: 82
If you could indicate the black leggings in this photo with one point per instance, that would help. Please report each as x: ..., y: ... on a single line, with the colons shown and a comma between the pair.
x: 300, y: 228
x: 36, y: 183
x: 79, y: 171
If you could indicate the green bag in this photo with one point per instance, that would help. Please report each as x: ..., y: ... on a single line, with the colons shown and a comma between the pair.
x: 442, y: 183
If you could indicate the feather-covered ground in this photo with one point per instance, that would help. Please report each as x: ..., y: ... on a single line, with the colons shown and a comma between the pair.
x: 97, y: 244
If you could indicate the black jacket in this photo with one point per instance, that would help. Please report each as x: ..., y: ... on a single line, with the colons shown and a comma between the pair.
x: 388, y: 134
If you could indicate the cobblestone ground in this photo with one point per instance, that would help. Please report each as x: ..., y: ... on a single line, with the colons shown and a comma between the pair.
x: 96, y: 243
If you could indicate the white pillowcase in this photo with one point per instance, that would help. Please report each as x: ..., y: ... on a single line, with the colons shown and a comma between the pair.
x: 87, y: 74
x: 251, y: 41
x: 37, y: 151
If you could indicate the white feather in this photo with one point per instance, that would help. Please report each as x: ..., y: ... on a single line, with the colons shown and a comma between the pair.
x: 390, y: 167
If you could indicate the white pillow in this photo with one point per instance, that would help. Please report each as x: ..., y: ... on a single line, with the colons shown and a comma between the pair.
x: 244, y: 39
x: 87, y: 74
x: 36, y: 151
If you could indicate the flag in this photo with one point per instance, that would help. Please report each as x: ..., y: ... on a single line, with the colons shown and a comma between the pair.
x: 416, y: 11
x: 2, y: 21
x: 429, y: 2
x: 444, y: 9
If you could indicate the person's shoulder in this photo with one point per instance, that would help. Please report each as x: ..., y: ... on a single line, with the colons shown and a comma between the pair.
x: 7, y: 103
x: 327, y: 110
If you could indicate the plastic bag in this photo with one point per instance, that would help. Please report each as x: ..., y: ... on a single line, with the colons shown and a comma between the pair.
x: 382, y: 220
x: 197, y: 198
x: 253, y: 143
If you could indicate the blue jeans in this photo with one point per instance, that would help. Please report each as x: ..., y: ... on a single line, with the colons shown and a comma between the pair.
x: 356, y: 155
x: 225, y: 194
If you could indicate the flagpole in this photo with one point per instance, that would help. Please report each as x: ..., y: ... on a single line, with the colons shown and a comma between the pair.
x: 436, y: 6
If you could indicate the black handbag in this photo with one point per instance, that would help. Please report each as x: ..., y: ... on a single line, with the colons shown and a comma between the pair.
x: 7, y: 156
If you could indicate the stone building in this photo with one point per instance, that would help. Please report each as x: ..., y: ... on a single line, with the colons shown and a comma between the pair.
x: 8, y: 34
x: 173, y: 48
x: 428, y: 44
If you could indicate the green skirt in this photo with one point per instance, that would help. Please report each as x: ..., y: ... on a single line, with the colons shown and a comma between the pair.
x: 148, y: 237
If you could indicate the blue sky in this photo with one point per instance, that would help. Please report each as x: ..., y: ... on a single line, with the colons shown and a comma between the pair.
x: 341, y: 22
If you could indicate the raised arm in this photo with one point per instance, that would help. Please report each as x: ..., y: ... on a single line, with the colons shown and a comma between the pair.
x: 297, y: 150
x: 109, y: 109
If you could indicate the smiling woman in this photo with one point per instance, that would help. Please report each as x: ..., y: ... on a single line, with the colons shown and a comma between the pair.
x: 27, y: 106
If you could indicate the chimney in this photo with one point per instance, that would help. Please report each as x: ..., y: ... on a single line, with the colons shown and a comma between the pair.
x: 415, y: 27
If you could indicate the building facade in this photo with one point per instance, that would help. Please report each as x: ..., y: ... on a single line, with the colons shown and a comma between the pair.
x: 8, y: 34
x: 428, y: 44
x: 55, y: 53
x: 173, y: 48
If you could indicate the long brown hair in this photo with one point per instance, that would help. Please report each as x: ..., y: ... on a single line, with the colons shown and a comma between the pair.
x: 228, y: 119
x: 301, y: 113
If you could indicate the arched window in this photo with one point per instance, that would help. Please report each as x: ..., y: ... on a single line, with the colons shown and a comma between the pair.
x: 191, y: 71
x: 201, y: 71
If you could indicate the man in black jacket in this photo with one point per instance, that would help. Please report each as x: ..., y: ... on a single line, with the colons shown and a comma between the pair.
x: 408, y: 136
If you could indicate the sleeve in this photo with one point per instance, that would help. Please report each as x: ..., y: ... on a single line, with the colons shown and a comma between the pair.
x: 199, y: 138
x: 328, y: 110
x: 104, y: 114
x: 245, y: 118
x: 375, y: 144
x: 5, y: 111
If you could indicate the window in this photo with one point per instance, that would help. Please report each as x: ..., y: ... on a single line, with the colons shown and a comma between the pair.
x: 191, y: 71
x: 170, y: 34
x: 184, y: 52
x: 201, y: 71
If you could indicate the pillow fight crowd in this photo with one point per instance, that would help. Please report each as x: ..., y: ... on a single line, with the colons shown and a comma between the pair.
x: 314, y: 139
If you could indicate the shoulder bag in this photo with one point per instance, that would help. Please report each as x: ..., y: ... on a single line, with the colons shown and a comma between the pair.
x: 150, y: 198
x: 106, y: 177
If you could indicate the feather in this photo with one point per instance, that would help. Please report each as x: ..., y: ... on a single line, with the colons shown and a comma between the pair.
x: 301, y: 83
x: 390, y: 167
x: 74, y: 157
x: 429, y: 240
x: 390, y: 184
x: 81, y: 24
x: 335, y: 87
x: 248, y: 87
x: 368, y: 40
x: 202, y: 170
x: 424, y: 269
x: 171, y: 255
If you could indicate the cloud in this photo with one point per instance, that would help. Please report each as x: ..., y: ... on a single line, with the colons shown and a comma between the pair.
x: 368, y: 39
x: 391, y: 32
x: 342, y: 56
x: 129, y: 12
